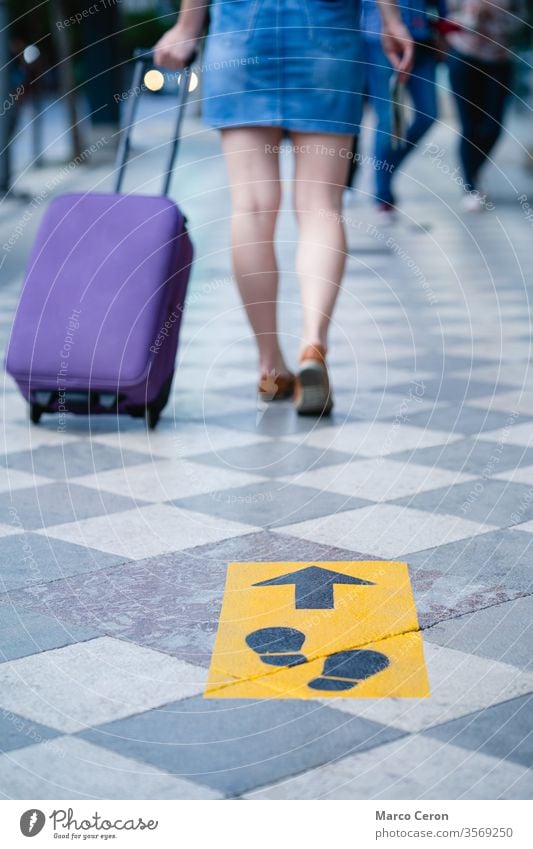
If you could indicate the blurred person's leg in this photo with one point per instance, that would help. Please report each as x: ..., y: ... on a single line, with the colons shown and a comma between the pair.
x: 493, y: 96
x: 378, y: 81
x: 467, y: 85
x: 321, y: 168
x: 253, y: 167
x: 422, y: 89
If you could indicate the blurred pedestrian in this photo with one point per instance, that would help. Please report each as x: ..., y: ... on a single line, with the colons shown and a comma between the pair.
x: 272, y: 70
x: 480, y: 65
x: 420, y: 83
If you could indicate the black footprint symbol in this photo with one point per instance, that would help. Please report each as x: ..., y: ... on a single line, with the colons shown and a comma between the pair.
x: 342, y: 670
x: 278, y: 646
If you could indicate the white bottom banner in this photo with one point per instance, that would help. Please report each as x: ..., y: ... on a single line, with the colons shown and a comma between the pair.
x: 256, y: 825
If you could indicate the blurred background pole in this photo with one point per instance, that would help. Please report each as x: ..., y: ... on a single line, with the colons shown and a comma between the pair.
x: 4, y: 99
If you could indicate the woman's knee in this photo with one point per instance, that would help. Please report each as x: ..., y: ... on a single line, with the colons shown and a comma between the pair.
x: 259, y: 200
x: 317, y: 197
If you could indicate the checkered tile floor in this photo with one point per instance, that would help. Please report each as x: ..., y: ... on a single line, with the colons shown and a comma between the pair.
x: 114, y: 541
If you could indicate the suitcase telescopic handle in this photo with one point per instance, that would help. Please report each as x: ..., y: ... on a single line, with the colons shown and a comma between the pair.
x: 144, y: 58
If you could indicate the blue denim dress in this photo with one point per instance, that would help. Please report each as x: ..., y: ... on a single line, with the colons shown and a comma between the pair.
x: 293, y: 64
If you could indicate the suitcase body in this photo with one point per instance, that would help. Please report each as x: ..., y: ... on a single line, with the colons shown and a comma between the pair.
x: 98, y: 321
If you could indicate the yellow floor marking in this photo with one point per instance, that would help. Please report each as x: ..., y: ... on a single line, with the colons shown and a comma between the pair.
x: 335, y: 607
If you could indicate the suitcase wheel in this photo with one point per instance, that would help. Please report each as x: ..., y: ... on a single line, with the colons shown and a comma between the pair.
x: 152, y: 416
x: 35, y: 413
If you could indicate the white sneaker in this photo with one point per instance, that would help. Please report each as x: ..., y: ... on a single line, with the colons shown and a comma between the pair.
x: 474, y: 202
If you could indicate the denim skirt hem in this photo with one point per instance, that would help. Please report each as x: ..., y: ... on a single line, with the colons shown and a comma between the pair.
x: 295, y: 126
x: 295, y: 64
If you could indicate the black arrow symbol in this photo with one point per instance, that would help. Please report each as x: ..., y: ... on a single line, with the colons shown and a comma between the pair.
x: 313, y: 586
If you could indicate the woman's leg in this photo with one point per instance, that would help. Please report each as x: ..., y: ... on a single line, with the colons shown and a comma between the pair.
x: 251, y: 155
x: 321, y: 167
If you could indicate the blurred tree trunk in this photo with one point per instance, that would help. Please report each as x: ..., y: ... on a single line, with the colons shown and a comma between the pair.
x: 103, y: 65
x: 5, y: 163
x: 66, y: 73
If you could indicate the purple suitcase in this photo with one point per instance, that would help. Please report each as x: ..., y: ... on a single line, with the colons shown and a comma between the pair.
x: 97, y: 325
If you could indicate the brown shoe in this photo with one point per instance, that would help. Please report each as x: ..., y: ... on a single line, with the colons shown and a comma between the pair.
x: 312, y: 396
x: 276, y: 387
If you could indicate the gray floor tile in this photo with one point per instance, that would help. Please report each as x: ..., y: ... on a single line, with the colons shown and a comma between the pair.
x: 492, y: 502
x: 503, y: 632
x: 235, y: 746
x: 16, y: 732
x: 378, y: 405
x: 455, y: 388
x: 405, y: 769
x: 500, y: 561
x: 57, y: 503
x: 460, y: 419
x: 27, y: 559
x: 25, y: 632
x: 273, y: 459
x: 171, y: 602
x: 471, y: 456
x: 440, y: 361
x: 503, y: 731
x: 72, y: 459
x: 271, y: 504
x: 277, y: 420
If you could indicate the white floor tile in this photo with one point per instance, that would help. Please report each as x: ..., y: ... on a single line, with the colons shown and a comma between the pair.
x: 460, y: 684
x: 7, y: 530
x: 94, y: 682
x: 28, y: 437
x: 375, y: 439
x: 385, y: 530
x: 11, y: 479
x: 515, y: 400
x: 379, y: 479
x: 168, y: 479
x: 515, y: 434
x: 522, y: 474
x: 182, y: 439
x: 69, y: 768
x: 148, y: 531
